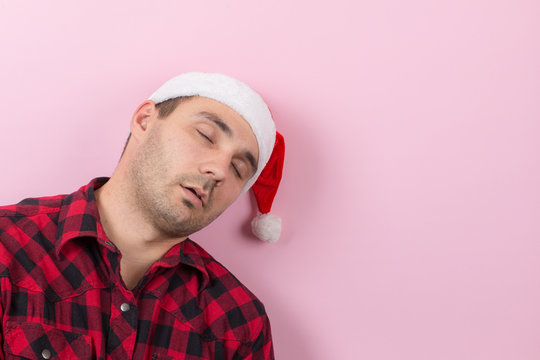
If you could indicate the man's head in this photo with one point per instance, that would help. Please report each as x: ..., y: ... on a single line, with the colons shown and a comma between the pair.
x: 236, y: 95
x: 191, y: 155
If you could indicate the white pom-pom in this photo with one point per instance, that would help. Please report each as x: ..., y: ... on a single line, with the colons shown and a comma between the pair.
x: 266, y: 227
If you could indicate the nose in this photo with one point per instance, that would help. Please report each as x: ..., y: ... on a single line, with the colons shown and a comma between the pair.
x: 216, y: 167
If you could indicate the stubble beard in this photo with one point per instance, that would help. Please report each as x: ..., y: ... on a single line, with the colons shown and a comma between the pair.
x: 173, y: 218
x: 155, y: 198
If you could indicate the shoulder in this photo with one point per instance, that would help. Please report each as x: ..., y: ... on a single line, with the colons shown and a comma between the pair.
x: 221, y: 281
x: 31, y: 221
x: 237, y: 311
x: 29, y: 217
x: 32, y: 206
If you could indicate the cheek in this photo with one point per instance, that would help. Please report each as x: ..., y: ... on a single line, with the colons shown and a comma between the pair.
x: 183, y: 152
x: 192, y: 148
x: 227, y: 195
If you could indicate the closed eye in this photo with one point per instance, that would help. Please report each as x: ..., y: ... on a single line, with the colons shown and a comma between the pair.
x: 205, y: 136
x: 240, y: 168
x: 237, y: 172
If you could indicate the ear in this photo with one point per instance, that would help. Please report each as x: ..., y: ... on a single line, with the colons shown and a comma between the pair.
x: 143, y: 116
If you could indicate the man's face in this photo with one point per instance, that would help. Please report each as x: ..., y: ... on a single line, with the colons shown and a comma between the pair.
x: 190, y: 166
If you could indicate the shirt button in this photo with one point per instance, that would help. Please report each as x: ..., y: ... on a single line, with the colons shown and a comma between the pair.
x: 46, y: 354
x: 124, y: 307
x: 108, y: 243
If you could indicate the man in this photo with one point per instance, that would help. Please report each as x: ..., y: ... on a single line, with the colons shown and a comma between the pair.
x: 108, y: 272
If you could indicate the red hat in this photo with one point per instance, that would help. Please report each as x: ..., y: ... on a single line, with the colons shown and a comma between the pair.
x: 266, y: 226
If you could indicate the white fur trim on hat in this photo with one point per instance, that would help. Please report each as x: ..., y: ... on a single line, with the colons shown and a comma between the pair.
x: 233, y: 93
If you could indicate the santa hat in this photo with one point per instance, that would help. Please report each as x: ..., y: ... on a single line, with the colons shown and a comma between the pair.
x: 254, y: 110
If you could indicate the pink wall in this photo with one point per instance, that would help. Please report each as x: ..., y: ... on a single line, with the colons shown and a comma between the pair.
x: 411, y: 198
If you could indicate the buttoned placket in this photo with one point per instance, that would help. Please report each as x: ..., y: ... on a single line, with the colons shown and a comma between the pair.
x: 124, y: 312
x: 124, y: 319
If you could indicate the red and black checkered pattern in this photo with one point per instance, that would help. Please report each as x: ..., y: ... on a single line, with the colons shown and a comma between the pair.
x: 62, y: 296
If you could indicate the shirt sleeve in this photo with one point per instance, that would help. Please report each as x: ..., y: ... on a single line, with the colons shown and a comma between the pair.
x: 1, y: 327
x: 262, y: 348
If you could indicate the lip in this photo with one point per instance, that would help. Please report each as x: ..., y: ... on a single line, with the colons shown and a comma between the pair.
x: 198, y: 199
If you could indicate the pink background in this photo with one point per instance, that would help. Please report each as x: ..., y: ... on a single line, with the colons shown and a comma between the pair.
x: 410, y: 199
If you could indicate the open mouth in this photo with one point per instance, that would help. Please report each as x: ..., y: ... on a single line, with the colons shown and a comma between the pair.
x: 194, y: 192
x: 195, y: 196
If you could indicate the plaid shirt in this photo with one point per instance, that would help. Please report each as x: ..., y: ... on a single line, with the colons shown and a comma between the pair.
x: 62, y: 296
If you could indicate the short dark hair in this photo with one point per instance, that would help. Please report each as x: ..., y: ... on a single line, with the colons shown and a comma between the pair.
x: 164, y: 109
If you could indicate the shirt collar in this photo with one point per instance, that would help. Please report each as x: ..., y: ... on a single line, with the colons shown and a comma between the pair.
x: 79, y: 217
x: 194, y: 256
x: 187, y: 253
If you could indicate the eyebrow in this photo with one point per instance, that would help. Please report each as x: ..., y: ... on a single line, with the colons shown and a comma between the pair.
x: 217, y: 120
x: 228, y: 131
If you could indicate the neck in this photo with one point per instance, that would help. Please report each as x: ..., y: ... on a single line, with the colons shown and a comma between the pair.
x: 139, y: 242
